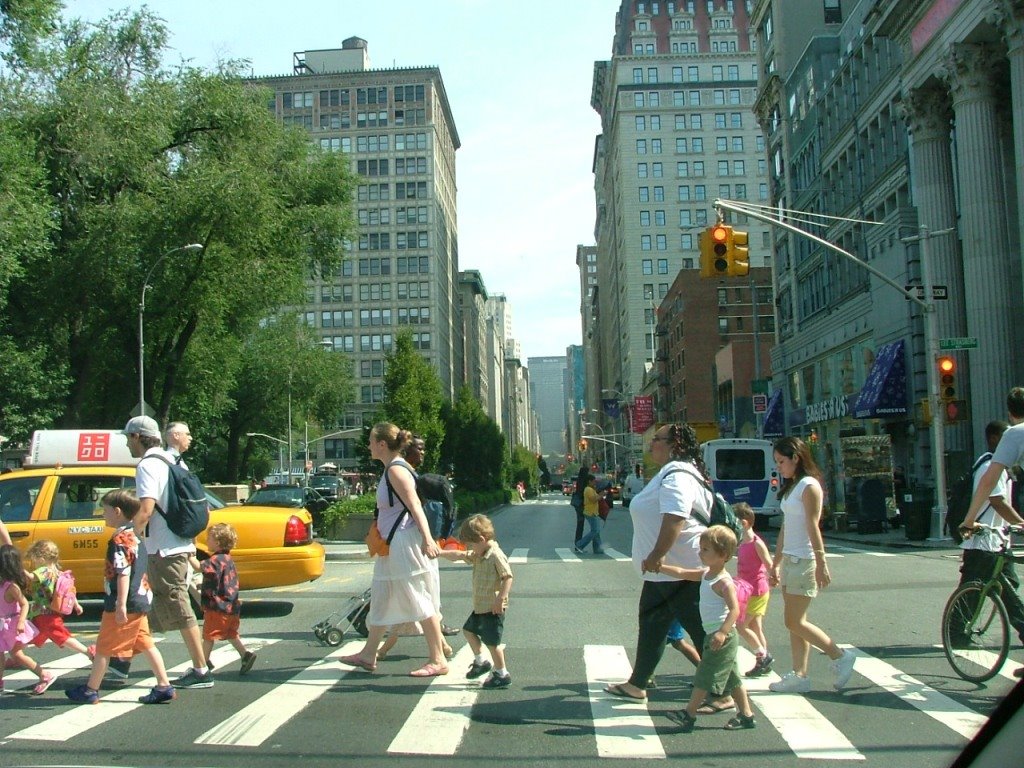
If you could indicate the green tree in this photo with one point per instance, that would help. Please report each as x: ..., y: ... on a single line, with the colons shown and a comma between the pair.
x: 138, y: 161
x: 523, y: 468
x: 473, y: 445
x: 412, y: 395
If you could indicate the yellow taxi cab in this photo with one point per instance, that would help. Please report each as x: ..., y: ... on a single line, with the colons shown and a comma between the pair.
x: 57, y: 497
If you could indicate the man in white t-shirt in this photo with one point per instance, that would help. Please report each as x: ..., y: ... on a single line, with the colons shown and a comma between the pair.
x: 979, y: 558
x: 633, y: 485
x: 168, y: 568
x: 1009, y: 453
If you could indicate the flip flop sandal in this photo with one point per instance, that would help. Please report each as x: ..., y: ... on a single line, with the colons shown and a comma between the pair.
x: 616, y: 689
x: 429, y: 670
x: 355, y: 661
x: 713, y: 708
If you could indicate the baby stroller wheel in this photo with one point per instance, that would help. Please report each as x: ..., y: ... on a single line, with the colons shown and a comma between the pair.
x: 334, y: 637
x: 319, y: 632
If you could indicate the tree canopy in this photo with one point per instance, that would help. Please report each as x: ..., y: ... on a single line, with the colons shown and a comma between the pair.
x: 112, y: 162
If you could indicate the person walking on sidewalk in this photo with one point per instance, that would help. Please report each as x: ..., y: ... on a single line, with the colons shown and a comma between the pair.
x: 800, y: 552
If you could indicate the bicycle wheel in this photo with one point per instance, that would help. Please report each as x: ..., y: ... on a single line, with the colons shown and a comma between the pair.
x: 975, y: 632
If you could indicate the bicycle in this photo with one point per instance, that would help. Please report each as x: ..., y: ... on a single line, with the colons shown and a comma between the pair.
x: 975, y: 625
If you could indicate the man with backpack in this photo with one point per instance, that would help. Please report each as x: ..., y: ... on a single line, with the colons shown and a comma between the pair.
x: 979, y: 551
x: 168, y: 568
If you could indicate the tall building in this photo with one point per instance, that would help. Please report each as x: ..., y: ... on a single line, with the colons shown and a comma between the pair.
x: 677, y: 132
x: 550, y: 399
x: 396, y: 125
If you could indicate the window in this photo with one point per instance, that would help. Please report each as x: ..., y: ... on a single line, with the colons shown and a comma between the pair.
x: 684, y: 194
x: 655, y: 123
x: 680, y: 122
x: 681, y: 146
x: 647, y: 266
x: 700, y: 192
x: 737, y: 143
x: 723, y: 167
x: 641, y: 170
x: 659, y: 194
x: 661, y: 242
x: 678, y: 99
x: 653, y: 99
x: 638, y: 99
x: 645, y: 242
x: 719, y: 120
x: 718, y: 97
x: 697, y: 145
x: 648, y: 291
x: 682, y: 170
x: 695, y: 122
x: 645, y: 218
x: 698, y: 168
x: 725, y: 191
x: 659, y: 218
x: 685, y: 218
x: 738, y: 168
x: 733, y: 72
x: 641, y: 146
x: 662, y: 266
x: 721, y: 144
x: 694, y: 98
x: 716, y: 72
x: 734, y: 96
x: 762, y: 191
x: 641, y: 123
x: 736, y: 119
x: 677, y: 74
x: 657, y: 170
x: 686, y: 241
x: 638, y: 75
x: 645, y: 194
x: 655, y: 146
x: 741, y: 191
x: 692, y: 74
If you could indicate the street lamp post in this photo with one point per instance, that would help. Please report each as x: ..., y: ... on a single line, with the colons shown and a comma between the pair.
x: 191, y: 247
x: 605, y: 440
x: 628, y: 443
x: 280, y: 446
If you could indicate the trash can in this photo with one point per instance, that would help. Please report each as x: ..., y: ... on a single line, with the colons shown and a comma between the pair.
x: 917, y: 510
x: 872, y: 515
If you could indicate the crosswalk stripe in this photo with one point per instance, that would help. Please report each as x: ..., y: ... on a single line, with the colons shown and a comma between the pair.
x: 441, y: 717
x: 58, y: 668
x: 808, y: 732
x: 989, y: 658
x: 518, y: 555
x: 567, y: 555
x: 82, y: 718
x: 936, y: 705
x: 845, y: 548
x: 255, y: 723
x: 614, y: 554
x: 622, y: 727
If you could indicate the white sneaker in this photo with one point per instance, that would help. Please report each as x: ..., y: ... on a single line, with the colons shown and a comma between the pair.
x: 842, y: 668
x: 791, y: 683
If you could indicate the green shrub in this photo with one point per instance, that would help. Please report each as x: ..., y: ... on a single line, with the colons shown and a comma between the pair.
x: 352, y: 505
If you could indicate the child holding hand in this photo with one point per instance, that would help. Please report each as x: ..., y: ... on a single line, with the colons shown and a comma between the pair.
x: 753, y: 561
x: 43, y: 561
x: 492, y: 582
x: 717, y: 672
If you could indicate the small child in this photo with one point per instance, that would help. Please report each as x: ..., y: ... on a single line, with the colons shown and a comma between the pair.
x: 15, y: 628
x: 753, y: 561
x: 492, y: 582
x: 42, y: 559
x: 717, y: 672
x: 677, y: 639
x: 219, y: 595
x: 124, y: 627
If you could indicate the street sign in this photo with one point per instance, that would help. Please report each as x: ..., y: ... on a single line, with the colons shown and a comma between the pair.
x: 939, y: 292
x: 760, y: 386
x: 959, y: 342
x: 760, y: 403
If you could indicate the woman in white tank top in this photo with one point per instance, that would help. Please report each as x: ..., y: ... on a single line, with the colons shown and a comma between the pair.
x: 800, y: 553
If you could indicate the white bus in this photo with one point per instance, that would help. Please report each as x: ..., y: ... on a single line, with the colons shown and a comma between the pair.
x: 743, y: 469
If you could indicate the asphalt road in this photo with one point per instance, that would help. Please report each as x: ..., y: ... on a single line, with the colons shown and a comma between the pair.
x: 570, y: 628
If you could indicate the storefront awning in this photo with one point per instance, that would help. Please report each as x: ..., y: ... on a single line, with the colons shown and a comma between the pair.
x: 774, y: 424
x: 885, y: 391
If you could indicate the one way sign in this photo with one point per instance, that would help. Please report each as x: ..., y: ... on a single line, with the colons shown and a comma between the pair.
x: 939, y: 292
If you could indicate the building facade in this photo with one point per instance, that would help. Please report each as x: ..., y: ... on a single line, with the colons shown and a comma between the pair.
x: 550, y: 401
x: 396, y: 125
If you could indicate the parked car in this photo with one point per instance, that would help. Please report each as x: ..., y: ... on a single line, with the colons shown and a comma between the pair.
x: 58, y: 498
x: 331, y: 487
x: 293, y: 497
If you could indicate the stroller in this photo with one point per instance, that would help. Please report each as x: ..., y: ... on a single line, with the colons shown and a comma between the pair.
x: 352, y: 616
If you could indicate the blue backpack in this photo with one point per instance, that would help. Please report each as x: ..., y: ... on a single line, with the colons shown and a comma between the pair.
x: 188, y: 511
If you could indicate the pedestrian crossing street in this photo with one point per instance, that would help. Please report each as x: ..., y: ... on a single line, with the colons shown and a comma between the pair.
x: 568, y: 555
x: 442, y: 713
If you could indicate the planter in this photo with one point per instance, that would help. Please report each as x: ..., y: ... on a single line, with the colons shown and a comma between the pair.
x: 349, y: 528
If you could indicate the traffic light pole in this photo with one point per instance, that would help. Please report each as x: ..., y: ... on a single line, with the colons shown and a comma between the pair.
x: 927, y: 303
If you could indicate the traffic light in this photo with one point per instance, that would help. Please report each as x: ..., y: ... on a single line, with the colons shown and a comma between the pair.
x: 739, y: 260
x: 947, y: 378
x: 715, y: 243
x: 582, y: 445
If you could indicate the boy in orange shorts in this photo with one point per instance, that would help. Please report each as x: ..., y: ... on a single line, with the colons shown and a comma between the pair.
x: 124, y: 628
x: 219, y: 595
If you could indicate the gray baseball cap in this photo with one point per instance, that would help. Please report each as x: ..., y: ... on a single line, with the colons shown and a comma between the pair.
x: 141, y: 425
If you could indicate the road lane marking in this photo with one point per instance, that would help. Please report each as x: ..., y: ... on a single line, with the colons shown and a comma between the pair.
x: 988, y: 657
x: 855, y: 550
x: 936, y: 705
x: 441, y: 717
x: 567, y: 555
x: 257, y: 722
x: 81, y: 718
x: 808, y: 732
x: 614, y: 554
x: 622, y: 727
x: 518, y: 555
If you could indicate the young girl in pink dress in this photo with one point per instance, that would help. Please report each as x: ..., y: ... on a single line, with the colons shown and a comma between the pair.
x: 15, y: 628
x: 753, y: 560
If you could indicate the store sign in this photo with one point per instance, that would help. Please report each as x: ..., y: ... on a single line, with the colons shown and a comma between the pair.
x: 643, y: 413
x: 826, y: 410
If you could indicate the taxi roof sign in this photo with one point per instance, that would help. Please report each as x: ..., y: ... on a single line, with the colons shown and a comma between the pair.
x: 78, y: 448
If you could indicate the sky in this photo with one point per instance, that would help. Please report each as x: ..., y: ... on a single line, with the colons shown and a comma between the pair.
x: 518, y: 77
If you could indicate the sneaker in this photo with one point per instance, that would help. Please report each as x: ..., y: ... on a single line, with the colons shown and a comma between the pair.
x: 83, y: 694
x: 192, y: 679
x: 842, y: 668
x: 44, y: 683
x: 119, y: 668
x: 497, y: 681
x: 761, y: 667
x: 247, y: 661
x: 159, y: 695
x: 478, y: 668
x: 791, y: 683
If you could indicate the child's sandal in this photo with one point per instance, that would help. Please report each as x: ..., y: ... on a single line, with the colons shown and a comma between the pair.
x: 683, y: 719
x: 740, y: 722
